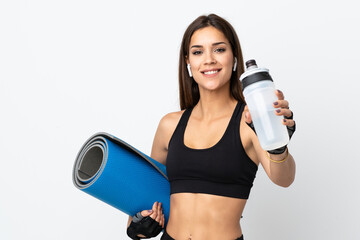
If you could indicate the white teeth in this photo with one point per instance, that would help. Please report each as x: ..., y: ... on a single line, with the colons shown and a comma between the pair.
x: 211, y: 72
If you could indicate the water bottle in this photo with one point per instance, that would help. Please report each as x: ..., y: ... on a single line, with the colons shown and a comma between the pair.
x: 259, y: 92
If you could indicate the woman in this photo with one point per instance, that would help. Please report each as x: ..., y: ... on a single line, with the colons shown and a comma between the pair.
x: 211, y: 153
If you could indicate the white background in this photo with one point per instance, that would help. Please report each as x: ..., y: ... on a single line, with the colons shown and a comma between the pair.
x: 71, y: 68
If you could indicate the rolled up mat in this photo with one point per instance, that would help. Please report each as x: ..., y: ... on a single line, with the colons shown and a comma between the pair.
x: 120, y: 175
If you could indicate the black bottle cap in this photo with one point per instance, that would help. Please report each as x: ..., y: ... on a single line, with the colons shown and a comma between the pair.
x: 250, y: 63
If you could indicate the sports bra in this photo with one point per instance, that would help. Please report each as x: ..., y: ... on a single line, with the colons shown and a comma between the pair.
x: 223, y: 169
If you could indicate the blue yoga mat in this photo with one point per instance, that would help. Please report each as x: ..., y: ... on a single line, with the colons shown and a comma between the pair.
x: 120, y: 175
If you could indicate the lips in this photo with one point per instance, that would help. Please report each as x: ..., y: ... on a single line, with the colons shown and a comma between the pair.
x: 210, y: 71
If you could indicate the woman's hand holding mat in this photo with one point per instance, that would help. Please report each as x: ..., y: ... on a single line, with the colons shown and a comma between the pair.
x: 147, y: 223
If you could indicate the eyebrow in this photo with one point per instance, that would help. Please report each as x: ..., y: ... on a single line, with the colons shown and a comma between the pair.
x: 214, y: 44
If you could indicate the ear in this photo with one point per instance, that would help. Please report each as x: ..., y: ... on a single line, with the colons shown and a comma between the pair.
x: 187, y: 60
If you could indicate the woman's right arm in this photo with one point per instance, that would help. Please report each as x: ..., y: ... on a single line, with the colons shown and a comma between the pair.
x: 159, y: 149
x: 163, y: 135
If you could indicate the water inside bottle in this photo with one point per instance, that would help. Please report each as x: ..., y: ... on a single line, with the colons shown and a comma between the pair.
x: 271, y: 132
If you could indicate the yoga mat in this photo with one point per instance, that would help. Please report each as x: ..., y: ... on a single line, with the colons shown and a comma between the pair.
x: 118, y: 174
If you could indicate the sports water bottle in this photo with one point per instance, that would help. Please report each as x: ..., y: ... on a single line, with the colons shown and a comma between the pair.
x: 259, y: 92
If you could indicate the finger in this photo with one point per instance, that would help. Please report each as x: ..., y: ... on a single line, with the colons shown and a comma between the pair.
x: 163, y: 220
x: 154, y: 214
x: 279, y: 94
x: 247, y: 116
x: 154, y: 206
x: 288, y: 122
x: 160, y: 221
x: 281, y: 104
x: 283, y: 112
x: 146, y: 213
x: 158, y: 216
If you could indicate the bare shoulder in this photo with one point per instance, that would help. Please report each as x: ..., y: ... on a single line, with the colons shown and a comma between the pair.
x: 164, y: 132
x: 170, y: 120
x: 167, y: 126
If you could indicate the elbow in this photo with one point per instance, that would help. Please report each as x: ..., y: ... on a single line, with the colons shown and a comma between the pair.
x: 285, y: 179
x: 285, y: 183
x: 129, y: 221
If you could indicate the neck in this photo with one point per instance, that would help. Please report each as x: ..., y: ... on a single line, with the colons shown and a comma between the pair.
x: 213, y: 104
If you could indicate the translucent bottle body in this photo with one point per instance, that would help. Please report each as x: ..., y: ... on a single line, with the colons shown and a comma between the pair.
x: 269, y: 129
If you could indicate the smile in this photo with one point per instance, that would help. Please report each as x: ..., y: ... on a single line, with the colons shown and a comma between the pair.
x: 211, y: 72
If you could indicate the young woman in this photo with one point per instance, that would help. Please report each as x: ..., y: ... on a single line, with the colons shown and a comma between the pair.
x: 209, y: 148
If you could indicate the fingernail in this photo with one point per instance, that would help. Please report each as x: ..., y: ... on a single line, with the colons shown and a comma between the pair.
x: 284, y: 120
x: 276, y: 103
x: 150, y: 211
x: 278, y: 110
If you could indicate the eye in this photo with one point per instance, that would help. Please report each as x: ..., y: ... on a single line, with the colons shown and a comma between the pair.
x: 220, y: 50
x: 197, y: 52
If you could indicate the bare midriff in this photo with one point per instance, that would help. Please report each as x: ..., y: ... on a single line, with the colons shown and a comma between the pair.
x: 198, y: 216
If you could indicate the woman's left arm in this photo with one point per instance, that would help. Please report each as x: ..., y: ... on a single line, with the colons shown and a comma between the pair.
x: 278, y: 164
x: 279, y: 167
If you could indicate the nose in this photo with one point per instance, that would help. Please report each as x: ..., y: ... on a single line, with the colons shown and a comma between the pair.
x: 209, y: 58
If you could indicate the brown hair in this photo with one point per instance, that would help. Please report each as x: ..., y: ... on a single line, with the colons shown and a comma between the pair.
x: 188, y: 88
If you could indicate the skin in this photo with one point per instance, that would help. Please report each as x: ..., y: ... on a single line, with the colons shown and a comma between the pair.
x: 206, y: 216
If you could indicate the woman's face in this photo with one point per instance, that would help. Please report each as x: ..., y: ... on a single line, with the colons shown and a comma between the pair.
x: 211, y: 58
